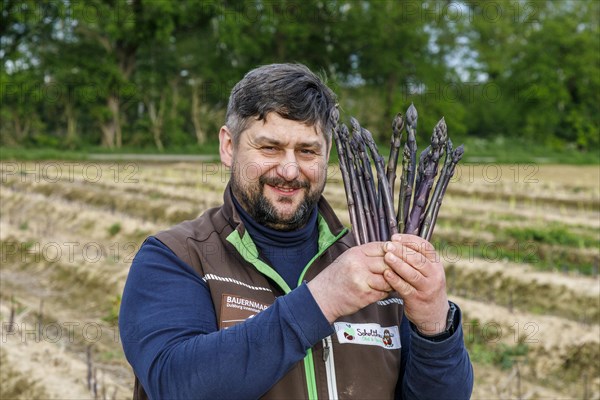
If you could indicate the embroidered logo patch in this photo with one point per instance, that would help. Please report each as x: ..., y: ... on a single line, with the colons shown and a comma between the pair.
x: 387, y: 337
x: 235, y: 309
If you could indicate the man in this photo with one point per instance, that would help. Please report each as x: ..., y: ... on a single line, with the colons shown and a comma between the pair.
x: 268, y: 295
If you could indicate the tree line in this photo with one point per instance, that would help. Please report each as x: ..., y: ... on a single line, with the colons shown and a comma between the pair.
x: 157, y: 73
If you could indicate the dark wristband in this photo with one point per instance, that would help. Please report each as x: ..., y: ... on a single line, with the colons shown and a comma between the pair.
x: 451, y: 324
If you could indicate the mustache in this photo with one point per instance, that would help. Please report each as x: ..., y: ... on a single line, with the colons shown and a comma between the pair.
x: 276, y: 181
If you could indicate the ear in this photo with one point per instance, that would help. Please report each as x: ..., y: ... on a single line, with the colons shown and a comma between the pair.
x: 226, y: 146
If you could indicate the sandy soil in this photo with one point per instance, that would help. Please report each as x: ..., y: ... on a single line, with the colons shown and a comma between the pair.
x: 141, y: 198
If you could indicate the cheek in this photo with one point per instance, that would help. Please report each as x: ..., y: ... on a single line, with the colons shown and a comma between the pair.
x: 315, y: 172
x: 248, y: 171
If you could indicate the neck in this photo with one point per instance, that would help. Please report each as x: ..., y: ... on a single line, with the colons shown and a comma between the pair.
x: 274, y: 232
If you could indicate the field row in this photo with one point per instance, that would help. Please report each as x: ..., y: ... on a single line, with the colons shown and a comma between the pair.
x: 514, y: 263
x: 98, y: 210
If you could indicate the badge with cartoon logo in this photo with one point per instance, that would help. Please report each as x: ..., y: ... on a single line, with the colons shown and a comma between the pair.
x: 387, y: 338
x: 368, y: 334
x: 349, y: 332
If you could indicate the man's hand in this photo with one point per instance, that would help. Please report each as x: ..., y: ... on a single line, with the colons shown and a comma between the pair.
x: 417, y: 274
x: 353, y: 281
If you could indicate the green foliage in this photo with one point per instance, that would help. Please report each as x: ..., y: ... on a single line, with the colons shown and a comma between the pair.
x: 482, y: 342
x: 506, y: 248
x: 112, y: 314
x: 114, y: 229
x: 553, y: 234
x: 157, y: 74
x: 541, y: 69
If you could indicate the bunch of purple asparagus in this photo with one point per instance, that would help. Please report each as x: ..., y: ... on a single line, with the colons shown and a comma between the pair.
x: 370, y: 199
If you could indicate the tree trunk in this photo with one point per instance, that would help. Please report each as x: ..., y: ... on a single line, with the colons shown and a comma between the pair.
x: 108, y: 134
x: 157, y: 119
x: 71, y: 138
x: 21, y: 130
x: 196, y: 114
x: 8, y: 137
x: 111, y: 129
x: 174, y: 84
x: 116, y: 113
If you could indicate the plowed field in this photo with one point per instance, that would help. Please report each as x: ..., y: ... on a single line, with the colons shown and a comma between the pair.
x: 520, y: 244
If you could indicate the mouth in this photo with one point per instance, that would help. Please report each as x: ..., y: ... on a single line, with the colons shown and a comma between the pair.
x: 284, y: 190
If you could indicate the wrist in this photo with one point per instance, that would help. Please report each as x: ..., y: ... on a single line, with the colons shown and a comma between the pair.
x: 439, y: 326
x: 321, y: 299
x: 451, y: 325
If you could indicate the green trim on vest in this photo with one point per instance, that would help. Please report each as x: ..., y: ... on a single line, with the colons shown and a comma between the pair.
x: 311, y: 380
x: 249, y: 252
x: 326, y: 239
x: 247, y: 249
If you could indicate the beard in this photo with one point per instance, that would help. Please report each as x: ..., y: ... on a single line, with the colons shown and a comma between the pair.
x: 261, y: 209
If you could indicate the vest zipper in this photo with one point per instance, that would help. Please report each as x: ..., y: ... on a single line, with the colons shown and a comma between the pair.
x: 330, y: 368
x: 247, y: 249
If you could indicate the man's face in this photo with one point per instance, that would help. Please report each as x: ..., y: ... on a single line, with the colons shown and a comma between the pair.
x: 279, y: 168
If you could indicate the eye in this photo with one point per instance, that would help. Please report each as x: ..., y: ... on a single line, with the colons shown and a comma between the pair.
x: 308, y: 151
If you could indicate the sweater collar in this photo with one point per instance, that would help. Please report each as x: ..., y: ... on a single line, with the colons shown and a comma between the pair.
x: 268, y: 235
x: 233, y: 217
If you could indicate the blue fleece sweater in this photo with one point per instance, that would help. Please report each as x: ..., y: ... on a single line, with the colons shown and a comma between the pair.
x: 170, y: 337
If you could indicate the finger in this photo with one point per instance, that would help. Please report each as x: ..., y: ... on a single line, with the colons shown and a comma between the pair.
x: 403, y: 288
x: 418, y: 244
x: 405, y: 271
x: 377, y: 265
x: 377, y: 282
x: 373, y: 249
x: 410, y: 256
x: 416, y: 260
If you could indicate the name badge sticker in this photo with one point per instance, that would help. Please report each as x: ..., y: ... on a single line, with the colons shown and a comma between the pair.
x: 387, y: 337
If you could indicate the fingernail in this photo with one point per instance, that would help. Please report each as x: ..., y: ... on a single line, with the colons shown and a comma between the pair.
x: 397, y: 237
x: 392, y: 257
x: 389, y: 246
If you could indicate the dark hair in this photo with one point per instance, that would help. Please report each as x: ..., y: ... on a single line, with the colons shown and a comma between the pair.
x: 291, y: 90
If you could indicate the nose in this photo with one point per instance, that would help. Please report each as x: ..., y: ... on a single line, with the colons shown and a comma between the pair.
x: 288, y: 168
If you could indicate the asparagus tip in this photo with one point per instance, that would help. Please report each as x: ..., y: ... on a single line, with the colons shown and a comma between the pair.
x: 398, y: 124
x: 440, y: 133
x: 355, y: 125
x: 412, y: 115
x: 335, y: 115
x: 458, y: 153
x: 366, y: 135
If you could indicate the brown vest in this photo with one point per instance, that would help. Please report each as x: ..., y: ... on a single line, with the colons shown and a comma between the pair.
x: 364, y: 352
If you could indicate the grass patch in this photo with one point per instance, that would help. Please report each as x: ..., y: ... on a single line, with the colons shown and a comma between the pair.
x: 46, y: 153
x: 495, y: 287
x: 482, y: 344
x: 33, y: 154
x: 500, y: 150
x: 556, y: 234
x: 542, y: 257
x: 111, y: 356
x: 504, y: 150
x: 112, y: 315
x: 114, y: 229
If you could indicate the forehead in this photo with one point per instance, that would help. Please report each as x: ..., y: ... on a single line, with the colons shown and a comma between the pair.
x: 276, y: 128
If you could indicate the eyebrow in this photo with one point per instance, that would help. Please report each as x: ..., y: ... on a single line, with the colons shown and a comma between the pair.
x: 302, y: 144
